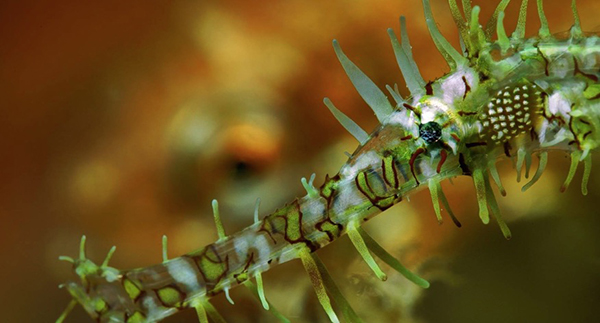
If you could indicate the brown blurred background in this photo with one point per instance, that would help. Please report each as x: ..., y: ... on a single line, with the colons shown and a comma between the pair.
x: 122, y: 120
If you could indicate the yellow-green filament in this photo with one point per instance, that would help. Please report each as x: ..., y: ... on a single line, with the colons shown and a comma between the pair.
x: 587, y: 169
x: 538, y: 172
x: 457, y: 16
x: 308, y: 186
x: 378, y: 250
x: 495, y: 210
x: 451, y: 55
x: 520, y: 159
x: 347, y: 311
x: 165, y: 257
x: 362, y: 249
x: 227, y: 296
x: 201, y: 312
x: 434, y: 187
x: 218, y: 223
x: 544, y: 30
x: 519, y: 32
x: 256, y: 291
x: 478, y: 179
x: 66, y: 312
x: 493, y: 21
x: 572, y: 169
x: 256, y: 206
x: 261, y: 291
x: 576, y: 29
x: 212, y: 312
x: 466, y: 4
x: 317, y: 282
x: 496, y: 177
x: 368, y: 90
x: 82, y: 248
x: 501, y: 32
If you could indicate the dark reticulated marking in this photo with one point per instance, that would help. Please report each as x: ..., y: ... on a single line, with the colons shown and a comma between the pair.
x: 557, y: 118
x: 475, y: 144
x: 139, y: 300
x: 381, y: 202
x: 483, y: 77
x: 429, y: 88
x: 507, y: 149
x: 400, y: 167
x: 327, y: 190
x: 576, y: 71
x: 587, y: 123
x: 101, y: 307
x: 132, y: 289
x: 546, y: 63
x: 136, y: 294
x: 290, y: 219
x: 211, y: 267
x: 242, y: 275
x: 390, y: 173
x: 443, y: 156
x: 463, y: 165
x: 411, y: 163
x: 413, y: 109
x: 171, y: 296
x: 331, y: 229
x: 467, y: 87
x: 513, y: 111
x: 466, y: 113
x: 575, y: 139
x: 591, y: 92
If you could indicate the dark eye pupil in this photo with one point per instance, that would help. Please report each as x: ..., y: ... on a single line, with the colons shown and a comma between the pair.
x: 242, y: 169
x: 430, y: 132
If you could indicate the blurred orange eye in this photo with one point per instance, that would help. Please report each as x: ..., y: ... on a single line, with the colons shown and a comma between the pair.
x: 252, y: 148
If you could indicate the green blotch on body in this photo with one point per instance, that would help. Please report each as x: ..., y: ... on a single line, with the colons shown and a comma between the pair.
x: 388, y: 166
x: 293, y: 230
x: 328, y: 187
x: 137, y: 317
x: 386, y: 202
x: 170, y: 296
x: 242, y: 277
x: 211, y: 269
x: 361, y: 180
x: 100, y: 306
x: 592, y: 91
x: 132, y: 290
x: 330, y: 228
x: 289, y: 219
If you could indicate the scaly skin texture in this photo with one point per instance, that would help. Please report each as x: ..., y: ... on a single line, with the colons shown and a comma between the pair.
x: 507, y: 98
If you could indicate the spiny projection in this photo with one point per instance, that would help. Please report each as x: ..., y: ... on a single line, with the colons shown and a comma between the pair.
x: 509, y: 97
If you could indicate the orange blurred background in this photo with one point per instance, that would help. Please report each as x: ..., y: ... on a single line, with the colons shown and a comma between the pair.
x: 122, y: 120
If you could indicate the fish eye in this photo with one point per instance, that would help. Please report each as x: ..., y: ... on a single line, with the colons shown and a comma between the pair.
x: 431, y: 132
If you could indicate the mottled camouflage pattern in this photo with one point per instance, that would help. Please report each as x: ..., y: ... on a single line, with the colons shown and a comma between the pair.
x: 510, y: 97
